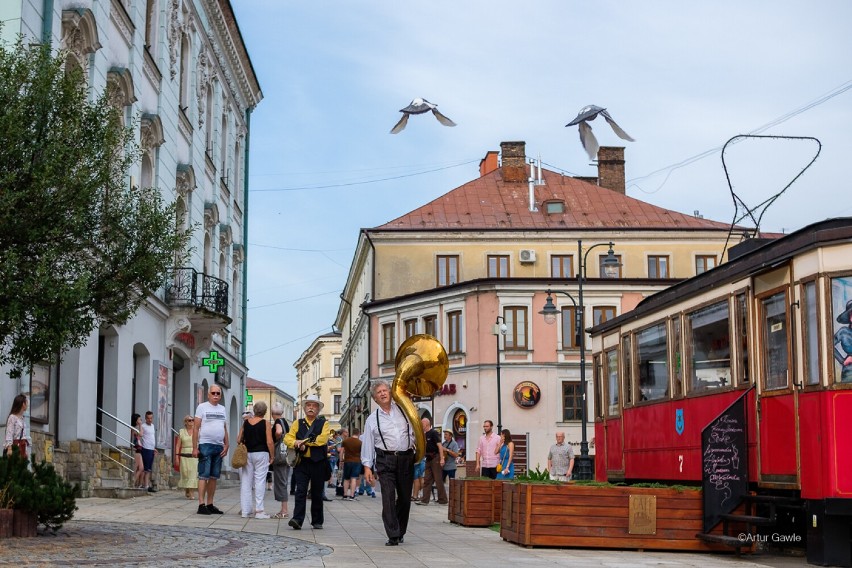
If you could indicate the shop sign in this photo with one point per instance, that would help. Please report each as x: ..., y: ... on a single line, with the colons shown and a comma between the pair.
x: 527, y: 394
x: 460, y: 423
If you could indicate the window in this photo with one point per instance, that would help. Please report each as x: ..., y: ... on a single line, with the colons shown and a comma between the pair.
x: 337, y: 404
x: 597, y: 372
x: 612, y: 382
x: 150, y: 24
x: 811, y: 339
x: 704, y: 262
x: 709, y: 333
x: 562, y: 266
x: 658, y: 267
x: 601, y: 314
x: 741, y: 308
x: 498, y: 266
x: 841, y: 296
x: 337, y: 367
x: 223, y: 145
x: 571, y: 328
x: 554, y: 207
x: 454, y: 332
x: 651, y: 355
x: 572, y: 402
x: 677, y: 357
x: 429, y: 325
x: 448, y: 270
x: 627, y: 369
x: 775, y: 345
x: 185, y: 55
x: 601, y: 270
x: 388, y: 343
x: 410, y: 327
x: 516, y: 324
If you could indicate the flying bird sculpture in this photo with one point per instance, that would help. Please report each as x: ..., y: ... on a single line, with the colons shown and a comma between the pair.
x: 420, y: 106
x: 588, y: 139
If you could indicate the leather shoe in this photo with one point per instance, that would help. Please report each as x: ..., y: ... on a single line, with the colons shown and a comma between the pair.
x: 393, y: 541
x: 295, y: 524
x: 317, y: 526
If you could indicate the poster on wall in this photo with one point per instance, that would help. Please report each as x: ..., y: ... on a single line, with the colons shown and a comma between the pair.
x: 460, y: 428
x: 199, y: 396
x: 163, y: 412
x: 40, y: 393
x: 841, y: 315
x: 527, y: 394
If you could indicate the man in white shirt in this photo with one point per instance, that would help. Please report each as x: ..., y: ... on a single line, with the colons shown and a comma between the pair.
x: 210, y: 445
x: 149, y: 449
x: 387, y: 449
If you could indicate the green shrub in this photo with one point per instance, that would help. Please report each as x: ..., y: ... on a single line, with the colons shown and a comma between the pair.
x: 39, y: 490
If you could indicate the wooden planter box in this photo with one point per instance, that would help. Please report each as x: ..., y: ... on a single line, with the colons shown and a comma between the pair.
x: 24, y: 524
x: 475, y: 502
x: 579, y: 516
x: 6, y: 521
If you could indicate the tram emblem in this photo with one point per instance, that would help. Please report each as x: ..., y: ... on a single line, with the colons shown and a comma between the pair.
x: 679, y: 421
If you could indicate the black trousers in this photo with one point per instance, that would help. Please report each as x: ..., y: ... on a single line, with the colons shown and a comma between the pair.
x: 396, y: 478
x: 313, y: 473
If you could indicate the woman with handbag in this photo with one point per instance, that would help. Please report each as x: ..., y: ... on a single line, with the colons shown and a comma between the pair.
x: 15, y: 427
x: 506, y: 465
x: 280, y: 468
x: 184, y: 462
x: 136, y: 442
x: 256, y: 434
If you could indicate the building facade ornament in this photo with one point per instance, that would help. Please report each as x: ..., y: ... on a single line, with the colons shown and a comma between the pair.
x: 211, y: 215
x: 185, y: 180
x: 151, y: 132
x: 174, y: 36
x: 239, y: 254
x: 120, y: 92
x: 80, y: 36
x: 203, y: 83
x: 225, y: 236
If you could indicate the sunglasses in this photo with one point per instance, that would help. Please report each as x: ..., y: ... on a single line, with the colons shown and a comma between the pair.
x: 215, y: 393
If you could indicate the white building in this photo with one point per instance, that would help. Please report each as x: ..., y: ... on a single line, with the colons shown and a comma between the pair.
x: 185, y: 79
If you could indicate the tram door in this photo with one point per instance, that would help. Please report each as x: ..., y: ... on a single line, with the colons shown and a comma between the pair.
x: 778, y: 447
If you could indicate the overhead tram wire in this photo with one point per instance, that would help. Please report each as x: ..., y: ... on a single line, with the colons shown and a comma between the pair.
x: 293, y: 300
x: 364, y: 182
x: 775, y: 122
x: 356, y: 170
x: 312, y: 334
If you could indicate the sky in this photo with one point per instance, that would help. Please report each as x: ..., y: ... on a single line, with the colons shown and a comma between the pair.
x: 682, y: 78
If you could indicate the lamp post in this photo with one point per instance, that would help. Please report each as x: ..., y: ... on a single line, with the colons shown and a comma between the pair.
x: 499, y: 329
x: 610, y: 266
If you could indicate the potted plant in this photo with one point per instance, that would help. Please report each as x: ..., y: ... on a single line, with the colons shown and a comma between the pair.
x: 475, y: 501
x: 7, y: 502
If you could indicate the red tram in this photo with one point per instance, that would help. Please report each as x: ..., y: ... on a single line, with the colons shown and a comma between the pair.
x: 774, y: 323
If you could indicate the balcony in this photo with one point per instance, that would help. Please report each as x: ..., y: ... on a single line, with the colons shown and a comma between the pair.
x: 199, y: 305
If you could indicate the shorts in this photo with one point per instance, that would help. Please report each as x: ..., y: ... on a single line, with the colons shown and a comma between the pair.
x: 420, y: 469
x: 147, y: 459
x: 351, y: 470
x: 209, y: 461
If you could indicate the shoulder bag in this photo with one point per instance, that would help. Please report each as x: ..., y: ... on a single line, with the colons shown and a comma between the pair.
x: 240, y: 457
x: 280, y: 457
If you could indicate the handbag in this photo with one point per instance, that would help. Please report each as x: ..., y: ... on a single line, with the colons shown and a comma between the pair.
x: 240, y: 457
x: 20, y: 444
x: 280, y: 456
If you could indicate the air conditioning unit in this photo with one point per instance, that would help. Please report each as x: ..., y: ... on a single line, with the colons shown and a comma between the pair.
x: 527, y: 255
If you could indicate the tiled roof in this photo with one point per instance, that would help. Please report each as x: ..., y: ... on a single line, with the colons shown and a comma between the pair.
x: 255, y: 384
x: 490, y: 203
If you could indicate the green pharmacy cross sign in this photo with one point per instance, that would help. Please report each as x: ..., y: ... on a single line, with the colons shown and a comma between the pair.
x: 213, y: 362
x: 248, y: 397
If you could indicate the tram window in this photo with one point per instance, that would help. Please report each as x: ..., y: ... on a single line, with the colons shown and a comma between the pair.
x: 677, y: 348
x: 775, y: 350
x: 612, y: 382
x: 709, y: 332
x: 811, y: 328
x: 598, y: 378
x: 627, y: 373
x: 651, y: 354
x: 742, y: 337
x: 841, y: 315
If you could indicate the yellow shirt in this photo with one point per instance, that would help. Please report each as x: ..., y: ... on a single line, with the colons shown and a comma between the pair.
x: 320, y: 441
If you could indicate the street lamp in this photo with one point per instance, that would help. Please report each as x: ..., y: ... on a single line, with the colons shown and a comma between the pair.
x: 498, y: 330
x: 610, y: 266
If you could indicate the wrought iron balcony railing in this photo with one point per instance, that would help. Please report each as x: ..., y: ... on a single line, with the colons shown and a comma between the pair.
x: 183, y: 290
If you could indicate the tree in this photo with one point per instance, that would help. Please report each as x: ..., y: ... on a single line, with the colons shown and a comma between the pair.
x: 79, y: 247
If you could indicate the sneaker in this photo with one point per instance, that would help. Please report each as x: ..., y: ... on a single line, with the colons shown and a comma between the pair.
x: 213, y: 510
x: 317, y: 526
x: 261, y: 515
x: 202, y: 510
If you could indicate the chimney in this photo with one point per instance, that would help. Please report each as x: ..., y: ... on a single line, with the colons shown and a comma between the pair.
x: 489, y: 163
x: 514, y: 157
x: 611, y: 168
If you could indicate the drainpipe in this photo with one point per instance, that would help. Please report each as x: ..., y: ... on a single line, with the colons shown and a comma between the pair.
x: 244, y: 303
x: 47, y: 22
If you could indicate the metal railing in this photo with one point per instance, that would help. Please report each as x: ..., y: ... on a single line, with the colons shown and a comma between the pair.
x: 118, y: 436
x: 183, y: 290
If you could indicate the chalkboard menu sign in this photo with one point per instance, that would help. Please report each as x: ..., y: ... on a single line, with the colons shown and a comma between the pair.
x: 724, y: 466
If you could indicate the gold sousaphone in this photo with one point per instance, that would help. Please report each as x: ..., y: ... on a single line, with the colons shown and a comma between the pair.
x: 421, y: 369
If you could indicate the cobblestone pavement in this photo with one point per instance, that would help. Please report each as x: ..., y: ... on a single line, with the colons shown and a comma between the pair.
x: 164, y: 530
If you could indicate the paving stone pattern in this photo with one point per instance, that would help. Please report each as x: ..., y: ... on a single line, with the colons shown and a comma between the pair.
x: 83, y: 543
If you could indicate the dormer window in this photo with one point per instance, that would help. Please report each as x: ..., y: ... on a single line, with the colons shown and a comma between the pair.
x: 554, y: 207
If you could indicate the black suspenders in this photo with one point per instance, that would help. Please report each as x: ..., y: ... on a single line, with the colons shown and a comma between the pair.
x: 379, y: 428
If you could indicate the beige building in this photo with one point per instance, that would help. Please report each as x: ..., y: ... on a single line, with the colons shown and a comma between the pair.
x: 270, y: 394
x: 318, y: 372
x: 483, y: 256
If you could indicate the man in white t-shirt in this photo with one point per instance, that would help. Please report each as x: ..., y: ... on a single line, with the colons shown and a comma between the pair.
x: 149, y: 449
x: 210, y: 445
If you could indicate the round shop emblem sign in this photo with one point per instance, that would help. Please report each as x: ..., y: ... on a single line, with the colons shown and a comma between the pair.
x: 460, y: 423
x: 527, y: 394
